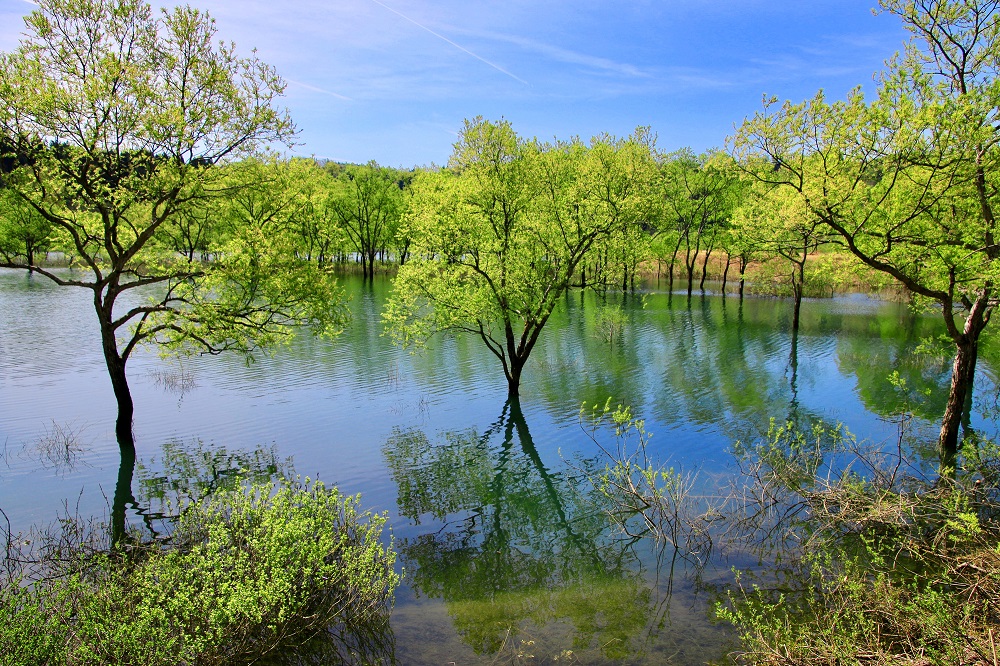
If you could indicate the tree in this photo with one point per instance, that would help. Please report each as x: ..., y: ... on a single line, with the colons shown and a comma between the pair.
x: 777, y: 223
x: 908, y: 180
x: 368, y: 204
x: 23, y: 231
x: 499, y: 236
x: 698, y: 197
x: 120, y: 121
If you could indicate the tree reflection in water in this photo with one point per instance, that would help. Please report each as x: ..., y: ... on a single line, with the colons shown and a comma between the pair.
x: 523, y: 552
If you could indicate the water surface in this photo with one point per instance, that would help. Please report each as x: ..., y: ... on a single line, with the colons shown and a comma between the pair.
x: 489, y: 501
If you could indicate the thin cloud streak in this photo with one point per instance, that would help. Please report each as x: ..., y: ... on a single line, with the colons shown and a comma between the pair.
x: 457, y: 46
x: 571, y: 57
x: 319, y: 90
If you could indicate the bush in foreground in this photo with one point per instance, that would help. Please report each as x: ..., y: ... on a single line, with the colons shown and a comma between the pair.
x: 246, y: 574
x: 865, y: 558
x: 876, y: 563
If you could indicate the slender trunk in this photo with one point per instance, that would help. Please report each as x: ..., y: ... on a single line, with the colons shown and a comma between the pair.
x: 962, y: 377
x: 689, y: 264
x: 126, y: 408
x: 743, y: 277
x: 119, y: 384
x: 704, y: 270
x: 797, y: 293
x: 798, y: 284
x: 725, y: 273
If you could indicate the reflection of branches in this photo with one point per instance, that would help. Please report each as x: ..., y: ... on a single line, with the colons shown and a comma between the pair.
x: 645, y: 498
x: 520, y: 544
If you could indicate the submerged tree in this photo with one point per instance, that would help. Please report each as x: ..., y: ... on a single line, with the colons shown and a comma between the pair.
x: 698, y: 194
x: 118, y: 121
x: 368, y: 202
x: 498, y: 238
x: 908, y: 180
x: 776, y: 223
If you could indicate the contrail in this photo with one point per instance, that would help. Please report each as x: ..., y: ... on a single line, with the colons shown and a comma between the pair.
x: 457, y: 46
x: 319, y: 90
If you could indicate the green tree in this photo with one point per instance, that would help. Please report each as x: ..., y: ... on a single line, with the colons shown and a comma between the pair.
x: 368, y: 203
x: 698, y: 195
x: 24, y: 232
x: 909, y: 179
x: 499, y: 236
x: 119, y: 118
x: 779, y: 224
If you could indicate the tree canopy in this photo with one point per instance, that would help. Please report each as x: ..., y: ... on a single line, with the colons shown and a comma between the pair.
x: 499, y: 235
x: 120, y: 123
x: 908, y: 180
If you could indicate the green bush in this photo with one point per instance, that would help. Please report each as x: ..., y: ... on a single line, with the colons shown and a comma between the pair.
x: 877, y: 564
x: 246, y: 573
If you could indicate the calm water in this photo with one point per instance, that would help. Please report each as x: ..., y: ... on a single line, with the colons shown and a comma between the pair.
x: 488, y: 502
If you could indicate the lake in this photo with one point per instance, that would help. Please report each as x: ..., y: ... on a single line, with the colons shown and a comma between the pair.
x: 506, y: 558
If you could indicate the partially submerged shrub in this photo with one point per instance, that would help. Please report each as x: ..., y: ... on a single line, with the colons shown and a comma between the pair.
x: 865, y: 557
x: 876, y: 563
x: 247, y: 572
x: 610, y: 323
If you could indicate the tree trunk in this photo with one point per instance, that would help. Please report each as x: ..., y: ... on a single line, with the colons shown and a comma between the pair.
x: 119, y: 384
x: 704, y: 270
x: 743, y: 277
x: 798, y: 286
x: 797, y: 293
x: 514, y: 378
x: 962, y: 376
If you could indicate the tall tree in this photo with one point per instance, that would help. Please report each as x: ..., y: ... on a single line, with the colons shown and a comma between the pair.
x: 776, y: 223
x: 368, y: 204
x: 909, y: 180
x: 119, y: 118
x: 499, y: 236
x: 699, y: 192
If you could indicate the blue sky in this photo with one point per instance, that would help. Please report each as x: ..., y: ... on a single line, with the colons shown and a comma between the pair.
x: 392, y: 80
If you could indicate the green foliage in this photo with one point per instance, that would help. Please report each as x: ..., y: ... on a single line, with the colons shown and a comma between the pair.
x: 874, y: 565
x: 907, y: 180
x: 697, y: 197
x: 368, y: 202
x: 23, y: 231
x: 249, y: 571
x: 135, y: 136
x: 500, y: 235
x: 610, y: 323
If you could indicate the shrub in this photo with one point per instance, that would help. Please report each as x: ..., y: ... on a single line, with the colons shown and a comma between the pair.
x: 877, y: 564
x: 248, y: 572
